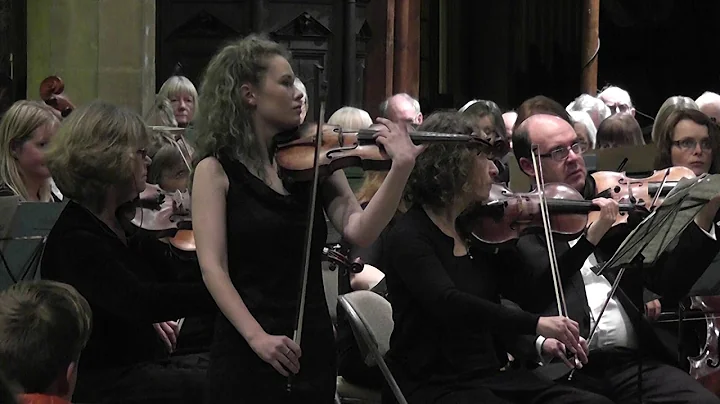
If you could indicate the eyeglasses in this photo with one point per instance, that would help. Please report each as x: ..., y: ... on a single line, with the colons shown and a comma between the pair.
x: 691, y: 144
x: 142, y: 152
x: 617, y: 108
x: 561, y: 153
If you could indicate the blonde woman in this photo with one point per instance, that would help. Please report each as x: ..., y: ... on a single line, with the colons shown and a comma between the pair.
x: 25, y: 130
x: 183, y: 96
x: 161, y: 113
x: 99, y: 161
x: 242, y: 213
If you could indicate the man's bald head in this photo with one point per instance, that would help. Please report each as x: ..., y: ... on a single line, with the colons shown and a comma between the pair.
x: 509, y: 118
x: 402, y: 108
x: 709, y: 104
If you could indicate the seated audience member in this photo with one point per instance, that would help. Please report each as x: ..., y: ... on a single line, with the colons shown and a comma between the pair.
x: 402, y: 107
x: 100, y: 164
x: 300, y: 86
x: 540, y: 104
x: 44, y: 326
x: 25, y: 129
x: 617, y: 100
x: 619, y: 130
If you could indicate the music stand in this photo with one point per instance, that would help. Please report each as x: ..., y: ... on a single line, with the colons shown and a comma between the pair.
x: 666, y: 222
x: 24, y: 227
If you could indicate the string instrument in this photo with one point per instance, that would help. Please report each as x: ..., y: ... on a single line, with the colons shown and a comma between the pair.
x: 167, y: 216
x: 507, y: 215
x: 647, y: 192
x: 338, y: 260
x: 705, y: 367
x: 51, y: 92
x: 341, y: 148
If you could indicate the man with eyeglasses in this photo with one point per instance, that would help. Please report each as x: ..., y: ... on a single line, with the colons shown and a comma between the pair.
x: 624, y: 335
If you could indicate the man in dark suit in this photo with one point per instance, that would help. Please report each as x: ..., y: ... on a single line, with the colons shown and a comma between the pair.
x: 624, y: 342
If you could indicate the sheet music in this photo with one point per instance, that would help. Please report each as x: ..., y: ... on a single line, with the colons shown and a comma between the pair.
x: 654, y: 234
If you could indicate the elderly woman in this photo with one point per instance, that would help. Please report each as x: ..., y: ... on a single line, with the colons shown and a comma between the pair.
x: 183, y: 97
x: 99, y: 162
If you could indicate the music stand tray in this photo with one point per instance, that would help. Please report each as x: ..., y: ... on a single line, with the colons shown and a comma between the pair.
x: 24, y: 227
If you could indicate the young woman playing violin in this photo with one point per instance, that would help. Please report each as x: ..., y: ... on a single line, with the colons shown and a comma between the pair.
x: 99, y: 162
x: 623, y: 335
x: 450, y: 336
x: 25, y: 130
x: 250, y: 230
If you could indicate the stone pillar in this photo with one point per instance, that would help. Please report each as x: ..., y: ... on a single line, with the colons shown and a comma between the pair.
x: 102, y: 49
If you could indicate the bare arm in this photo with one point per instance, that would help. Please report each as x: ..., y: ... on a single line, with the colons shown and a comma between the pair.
x: 362, y: 227
x: 209, y: 225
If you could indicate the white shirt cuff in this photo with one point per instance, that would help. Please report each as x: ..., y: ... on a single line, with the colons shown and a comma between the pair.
x: 544, y: 359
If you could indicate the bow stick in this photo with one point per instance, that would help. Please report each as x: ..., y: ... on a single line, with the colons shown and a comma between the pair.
x: 320, y: 93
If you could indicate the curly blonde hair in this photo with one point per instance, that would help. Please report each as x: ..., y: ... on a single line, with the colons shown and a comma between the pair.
x: 17, y: 127
x: 94, y: 150
x: 224, y: 126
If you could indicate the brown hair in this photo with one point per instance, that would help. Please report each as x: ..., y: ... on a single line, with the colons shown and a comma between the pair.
x: 665, y: 137
x: 442, y: 172
x: 619, y: 130
x: 534, y: 106
x: 44, y: 326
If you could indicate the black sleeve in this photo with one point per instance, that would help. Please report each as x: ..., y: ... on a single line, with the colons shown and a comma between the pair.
x: 529, y: 281
x: 96, y: 271
x: 677, y: 270
x: 413, y: 259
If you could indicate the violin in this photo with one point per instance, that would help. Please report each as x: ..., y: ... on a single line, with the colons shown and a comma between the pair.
x: 507, y: 216
x: 704, y: 366
x: 647, y: 192
x: 51, y: 92
x: 167, y: 215
x: 337, y: 260
x: 357, y: 148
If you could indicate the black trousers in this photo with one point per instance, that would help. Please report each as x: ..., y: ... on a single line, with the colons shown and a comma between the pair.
x: 615, y: 375
x: 177, y: 380
x: 557, y: 394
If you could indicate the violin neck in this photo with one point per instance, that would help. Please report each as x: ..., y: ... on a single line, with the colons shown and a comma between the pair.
x: 571, y: 206
x: 419, y: 137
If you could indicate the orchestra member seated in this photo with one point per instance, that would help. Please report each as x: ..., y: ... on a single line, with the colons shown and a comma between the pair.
x: 161, y: 113
x: 99, y: 162
x: 44, y: 326
x: 450, y: 331
x: 625, y: 339
x: 183, y: 98
x: 25, y: 130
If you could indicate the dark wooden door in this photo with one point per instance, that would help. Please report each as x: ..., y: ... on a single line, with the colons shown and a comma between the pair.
x: 13, y: 52
x: 189, y: 32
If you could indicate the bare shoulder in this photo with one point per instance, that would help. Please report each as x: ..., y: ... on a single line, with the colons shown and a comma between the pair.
x: 210, y: 172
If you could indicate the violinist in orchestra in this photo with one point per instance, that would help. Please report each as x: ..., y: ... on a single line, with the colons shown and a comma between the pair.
x: 250, y: 229
x: 99, y: 161
x: 451, y: 332
x: 624, y: 339
x: 25, y: 131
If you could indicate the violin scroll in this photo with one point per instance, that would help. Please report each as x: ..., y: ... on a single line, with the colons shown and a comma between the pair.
x: 51, y: 92
x: 337, y: 259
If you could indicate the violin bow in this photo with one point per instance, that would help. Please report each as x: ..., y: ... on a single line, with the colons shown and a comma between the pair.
x: 320, y: 93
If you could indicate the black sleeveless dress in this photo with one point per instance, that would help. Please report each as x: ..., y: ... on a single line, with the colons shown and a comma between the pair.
x: 265, y: 234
